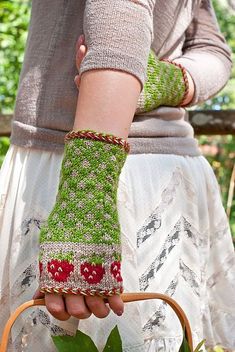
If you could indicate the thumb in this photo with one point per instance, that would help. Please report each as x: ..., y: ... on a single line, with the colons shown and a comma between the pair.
x: 81, y: 53
x: 38, y: 294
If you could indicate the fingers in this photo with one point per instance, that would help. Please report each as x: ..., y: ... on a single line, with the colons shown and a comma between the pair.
x: 55, y: 305
x: 97, y: 306
x: 80, y: 41
x: 81, y: 307
x: 81, y: 51
x: 75, y: 306
x: 116, y: 304
x: 80, y: 54
x: 79, y: 57
x: 38, y: 294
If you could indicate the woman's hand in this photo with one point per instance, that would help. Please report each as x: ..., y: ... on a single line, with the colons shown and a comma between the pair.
x: 80, y: 307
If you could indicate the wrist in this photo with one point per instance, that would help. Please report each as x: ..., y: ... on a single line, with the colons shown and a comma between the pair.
x: 188, y: 82
x: 80, y: 244
x: 191, y: 89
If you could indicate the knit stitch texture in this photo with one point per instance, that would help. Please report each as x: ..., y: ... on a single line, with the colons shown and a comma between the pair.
x: 80, y: 248
x: 165, y: 85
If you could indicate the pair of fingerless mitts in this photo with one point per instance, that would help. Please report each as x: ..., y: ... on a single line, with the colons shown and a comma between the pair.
x: 80, y: 249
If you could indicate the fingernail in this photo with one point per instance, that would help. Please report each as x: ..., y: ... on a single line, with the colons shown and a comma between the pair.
x: 119, y: 313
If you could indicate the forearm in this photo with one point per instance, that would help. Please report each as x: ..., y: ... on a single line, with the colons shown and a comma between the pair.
x: 112, y: 73
x: 80, y: 245
x: 107, y: 101
x: 191, y: 91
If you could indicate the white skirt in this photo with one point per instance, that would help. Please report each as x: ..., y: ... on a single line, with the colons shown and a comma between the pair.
x: 175, y: 239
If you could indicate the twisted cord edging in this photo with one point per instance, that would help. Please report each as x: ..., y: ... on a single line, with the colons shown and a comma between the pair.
x: 185, y: 78
x: 88, y: 292
x: 109, y: 138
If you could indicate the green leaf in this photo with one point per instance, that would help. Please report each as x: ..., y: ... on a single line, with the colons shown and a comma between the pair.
x: 218, y: 349
x: 78, y: 343
x: 114, y: 342
x: 199, y: 346
x: 185, y: 346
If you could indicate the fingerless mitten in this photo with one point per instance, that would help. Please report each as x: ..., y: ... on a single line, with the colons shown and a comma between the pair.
x: 80, y: 249
x: 166, y: 84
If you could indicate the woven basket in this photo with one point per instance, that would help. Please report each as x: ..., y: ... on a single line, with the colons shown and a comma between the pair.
x: 126, y: 297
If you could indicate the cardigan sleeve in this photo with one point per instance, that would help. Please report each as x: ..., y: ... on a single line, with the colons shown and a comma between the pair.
x: 206, y: 56
x: 118, y: 35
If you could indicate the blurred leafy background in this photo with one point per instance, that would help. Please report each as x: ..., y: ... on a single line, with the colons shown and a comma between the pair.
x: 219, y: 150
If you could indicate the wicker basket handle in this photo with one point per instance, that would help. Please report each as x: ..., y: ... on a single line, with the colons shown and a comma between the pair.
x: 126, y: 297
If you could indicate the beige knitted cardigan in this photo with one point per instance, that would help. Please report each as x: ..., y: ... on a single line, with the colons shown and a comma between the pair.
x: 119, y: 34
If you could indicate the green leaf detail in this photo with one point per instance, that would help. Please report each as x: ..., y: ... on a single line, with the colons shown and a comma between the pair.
x: 117, y: 257
x: 185, y: 346
x: 63, y: 256
x: 78, y: 343
x: 114, y: 342
x: 218, y: 349
x: 198, y: 348
x: 93, y: 259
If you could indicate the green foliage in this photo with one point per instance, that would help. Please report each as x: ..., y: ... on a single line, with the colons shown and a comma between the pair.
x: 222, y: 160
x: 185, y: 346
x: 14, y: 19
x: 78, y: 343
x: 226, y: 19
x: 83, y: 343
x: 218, y: 349
x: 226, y: 98
x: 4, y: 145
x: 198, y: 348
x: 114, y: 342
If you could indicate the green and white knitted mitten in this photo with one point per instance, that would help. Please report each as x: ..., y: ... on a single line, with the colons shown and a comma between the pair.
x: 80, y: 249
x: 166, y: 84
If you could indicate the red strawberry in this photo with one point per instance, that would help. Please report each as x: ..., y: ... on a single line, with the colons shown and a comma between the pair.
x: 116, y: 271
x: 92, y: 273
x: 60, y: 269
